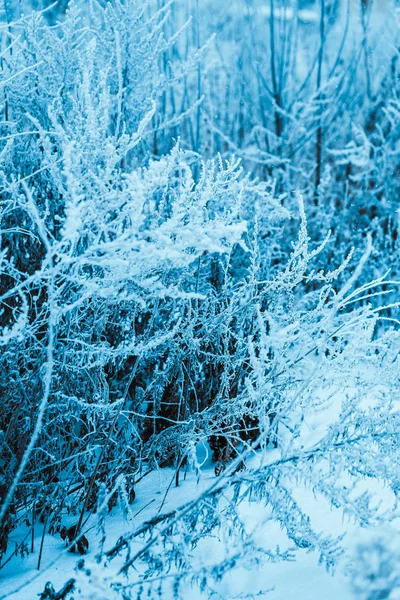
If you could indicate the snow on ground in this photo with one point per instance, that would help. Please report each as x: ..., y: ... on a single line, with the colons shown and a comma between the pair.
x: 300, y: 579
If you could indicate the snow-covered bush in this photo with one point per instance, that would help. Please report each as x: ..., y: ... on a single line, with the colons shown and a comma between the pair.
x: 92, y: 246
x: 306, y: 98
x: 282, y: 394
x: 157, y: 298
x: 289, y: 94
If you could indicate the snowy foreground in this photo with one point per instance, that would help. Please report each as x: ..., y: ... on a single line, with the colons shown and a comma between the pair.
x: 300, y: 577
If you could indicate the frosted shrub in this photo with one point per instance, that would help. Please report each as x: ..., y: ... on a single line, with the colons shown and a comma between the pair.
x: 156, y: 299
x: 278, y: 394
x: 91, y: 249
x: 125, y: 244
